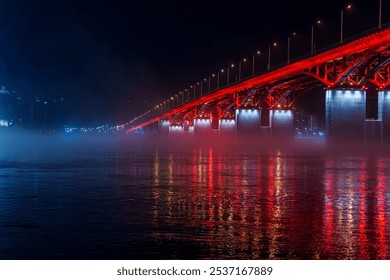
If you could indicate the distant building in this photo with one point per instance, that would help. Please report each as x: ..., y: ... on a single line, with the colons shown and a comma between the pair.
x: 46, y: 114
x: 34, y: 113
x: 10, y: 108
x: 307, y: 124
x: 4, y: 107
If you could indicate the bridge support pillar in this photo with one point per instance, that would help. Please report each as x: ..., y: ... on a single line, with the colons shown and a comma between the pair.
x: 373, y: 131
x: 151, y: 129
x: 175, y: 130
x: 227, y: 127
x: 384, y: 114
x: 202, y: 127
x: 248, y: 121
x: 282, y: 124
x: 345, y: 114
x: 163, y: 127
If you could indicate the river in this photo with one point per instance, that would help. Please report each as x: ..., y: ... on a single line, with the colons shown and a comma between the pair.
x: 66, y: 197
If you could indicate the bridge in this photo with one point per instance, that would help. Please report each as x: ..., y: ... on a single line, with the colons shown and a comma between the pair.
x: 264, y: 104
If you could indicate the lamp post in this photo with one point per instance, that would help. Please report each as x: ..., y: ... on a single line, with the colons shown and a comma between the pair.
x: 253, y: 62
x: 184, y: 100
x: 269, y: 55
x: 342, y: 22
x: 218, y: 77
x: 239, y: 68
x: 312, y: 36
x: 194, y: 93
x: 288, y: 47
x: 228, y: 73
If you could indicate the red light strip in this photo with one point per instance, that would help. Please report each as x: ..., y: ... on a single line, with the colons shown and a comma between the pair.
x: 370, y: 42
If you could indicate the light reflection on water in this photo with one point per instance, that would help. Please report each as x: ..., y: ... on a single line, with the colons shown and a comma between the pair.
x: 205, y: 203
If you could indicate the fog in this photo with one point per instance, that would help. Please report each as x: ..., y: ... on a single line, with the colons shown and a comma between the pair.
x: 26, y: 144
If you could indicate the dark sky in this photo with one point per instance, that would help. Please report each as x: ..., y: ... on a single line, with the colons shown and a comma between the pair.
x: 114, y: 59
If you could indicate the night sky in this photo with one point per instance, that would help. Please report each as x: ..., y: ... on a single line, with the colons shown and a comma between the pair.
x: 115, y: 59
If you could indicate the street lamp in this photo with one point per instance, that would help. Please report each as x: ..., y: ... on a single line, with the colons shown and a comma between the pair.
x: 173, y: 102
x: 253, y: 62
x: 312, y: 36
x: 342, y: 22
x: 213, y: 75
x: 201, y: 87
x: 189, y: 93
x: 288, y: 47
x: 269, y: 55
x: 228, y: 73
x: 182, y: 98
x: 222, y: 71
x: 239, y: 69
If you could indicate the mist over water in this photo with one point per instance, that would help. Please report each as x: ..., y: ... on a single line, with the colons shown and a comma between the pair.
x: 70, y: 196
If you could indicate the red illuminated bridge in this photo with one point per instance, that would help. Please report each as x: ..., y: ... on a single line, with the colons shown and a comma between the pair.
x: 264, y: 104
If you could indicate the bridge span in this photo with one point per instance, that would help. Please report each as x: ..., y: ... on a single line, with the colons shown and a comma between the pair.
x: 264, y: 103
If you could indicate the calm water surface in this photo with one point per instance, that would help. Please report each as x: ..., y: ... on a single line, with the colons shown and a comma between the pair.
x: 129, y: 201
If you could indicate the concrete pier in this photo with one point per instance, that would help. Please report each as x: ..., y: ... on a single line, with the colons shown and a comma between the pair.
x: 384, y: 114
x: 248, y: 121
x: 228, y: 127
x: 175, y: 130
x: 202, y: 126
x: 345, y: 114
x: 163, y: 127
x: 282, y: 124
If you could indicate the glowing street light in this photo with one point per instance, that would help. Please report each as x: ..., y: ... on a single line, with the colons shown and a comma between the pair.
x: 312, y: 36
x: 228, y: 73
x: 288, y: 47
x: 201, y: 86
x: 239, y: 68
x: 253, y: 62
x: 182, y: 98
x: 221, y: 71
x: 169, y: 104
x: 269, y: 55
x: 194, y: 93
x: 349, y: 6
x: 177, y: 100
x: 212, y: 75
